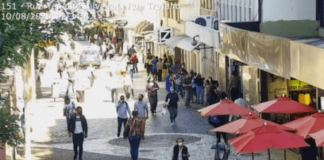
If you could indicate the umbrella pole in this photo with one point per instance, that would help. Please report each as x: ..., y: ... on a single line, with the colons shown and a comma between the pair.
x: 285, y: 154
x: 252, y: 156
x: 269, y: 153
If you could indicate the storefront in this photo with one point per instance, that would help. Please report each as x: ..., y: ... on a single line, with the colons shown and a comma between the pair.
x: 302, y: 92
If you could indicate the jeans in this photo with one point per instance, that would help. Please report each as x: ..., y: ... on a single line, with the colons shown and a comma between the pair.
x: 120, y: 122
x: 194, y: 94
x: 159, y: 75
x: 179, y: 89
x: 78, y: 141
x: 188, y: 96
x: 200, y: 94
x: 113, y: 94
x: 132, y: 74
x: 173, y: 113
x: 135, y: 68
x: 149, y: 69
x: 134, y: 142
x: 154, y: 71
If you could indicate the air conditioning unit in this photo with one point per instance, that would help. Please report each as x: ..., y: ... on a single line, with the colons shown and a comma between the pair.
x: 163, y: 34
x: 205, y: 20
x: 216, y: 24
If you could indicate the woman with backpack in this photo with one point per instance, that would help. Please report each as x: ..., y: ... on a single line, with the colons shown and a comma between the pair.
x: 68, y: 110
x: 133, y: 132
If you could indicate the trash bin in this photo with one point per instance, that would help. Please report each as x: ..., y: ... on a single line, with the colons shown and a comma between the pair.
x: 80, y: 96
x: 55, y: 90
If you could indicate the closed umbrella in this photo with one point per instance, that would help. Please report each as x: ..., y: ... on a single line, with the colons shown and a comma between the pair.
x: 225, y: 107
x: 319, y: 138
x: 246, y: 124
x: 307, y: 125
x: 266, y: 137
x: 283, y: 105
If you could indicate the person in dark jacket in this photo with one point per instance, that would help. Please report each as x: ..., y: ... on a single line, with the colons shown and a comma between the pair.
x: 199, y: 81
x: 309, y: 153
x: 180, y: 152
x: 78, y: 128
x: 172, y: 100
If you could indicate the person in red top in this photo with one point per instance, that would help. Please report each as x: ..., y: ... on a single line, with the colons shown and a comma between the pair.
x: 135, y: 61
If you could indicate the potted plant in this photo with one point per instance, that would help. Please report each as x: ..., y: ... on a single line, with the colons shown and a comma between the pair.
x: 10, y: 132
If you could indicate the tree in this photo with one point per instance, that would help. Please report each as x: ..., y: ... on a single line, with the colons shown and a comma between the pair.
x: 21, y: 28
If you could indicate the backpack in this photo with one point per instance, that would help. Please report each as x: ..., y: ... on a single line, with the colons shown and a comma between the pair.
x: 214, y: 120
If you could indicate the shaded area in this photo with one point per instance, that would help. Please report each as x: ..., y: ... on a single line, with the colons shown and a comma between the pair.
x: 62, y: 154
x: 157, y: 140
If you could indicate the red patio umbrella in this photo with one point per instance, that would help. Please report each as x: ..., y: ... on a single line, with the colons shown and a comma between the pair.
x: 226, y: 107
x: 307, y: 125
x: 283, y: 105
x: 247, y: 124
x: 319, y: 138
x: 266, y: 137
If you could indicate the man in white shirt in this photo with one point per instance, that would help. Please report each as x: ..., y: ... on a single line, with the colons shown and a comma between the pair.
x: 71, y: 80
x: 242, y: 102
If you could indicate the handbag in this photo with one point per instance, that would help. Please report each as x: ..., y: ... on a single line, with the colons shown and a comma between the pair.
x: 64, y: 112
x: 145, y: 65
x: 126, y: 131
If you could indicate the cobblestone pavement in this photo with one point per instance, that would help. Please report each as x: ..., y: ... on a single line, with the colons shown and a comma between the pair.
x: 51, y: 141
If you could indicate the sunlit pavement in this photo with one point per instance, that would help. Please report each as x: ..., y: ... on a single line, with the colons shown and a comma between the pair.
x: 51, y: 141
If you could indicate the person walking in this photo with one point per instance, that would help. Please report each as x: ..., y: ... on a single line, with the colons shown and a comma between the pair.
x: 78, y: 129
x: 130, y: 68
x: 61, y: 67
x: 178, y: 83
x: 207, y: 86
x: 76, y: 59
x: 113, y: 86
x: 141, y: 107
x: 122, y: 109
x: 175, y: 67
x: 91, y: 75
x: 180, y: 152
x: 233, y: 87
x: 134, y: 135
x: 214, y: 91
x: 154, y: 66
x: 68, y: 110
x: 71, y: 80
x: 168, y: 82
x: 187, y: 86
x: 131, y: 51
x: 135, y: 62
x: 165, y: 67
x: 194, y: 87
x: 151, y: 89
x: 69, y: 61
x: 149, y: 64
x: 172, y: 100
x: 160, y: 70
x: 199, y: 81
x: 128, y: 86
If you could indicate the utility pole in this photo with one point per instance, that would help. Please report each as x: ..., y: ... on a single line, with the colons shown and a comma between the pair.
x: 30, y: 97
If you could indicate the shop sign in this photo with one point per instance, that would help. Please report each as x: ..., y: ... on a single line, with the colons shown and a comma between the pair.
x: 296, y: 85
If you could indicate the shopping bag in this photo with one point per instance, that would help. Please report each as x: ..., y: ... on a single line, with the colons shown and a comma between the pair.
x: 164, y: 110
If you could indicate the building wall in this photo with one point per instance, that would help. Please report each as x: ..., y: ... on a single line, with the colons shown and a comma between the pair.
x: 289, y: 29
x: 290, y: 18
x: 275, y: 10
x: 238, y: 10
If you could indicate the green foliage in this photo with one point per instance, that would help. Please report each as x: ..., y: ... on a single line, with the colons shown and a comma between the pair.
x: 9, y: 129
x: 23, y: 33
